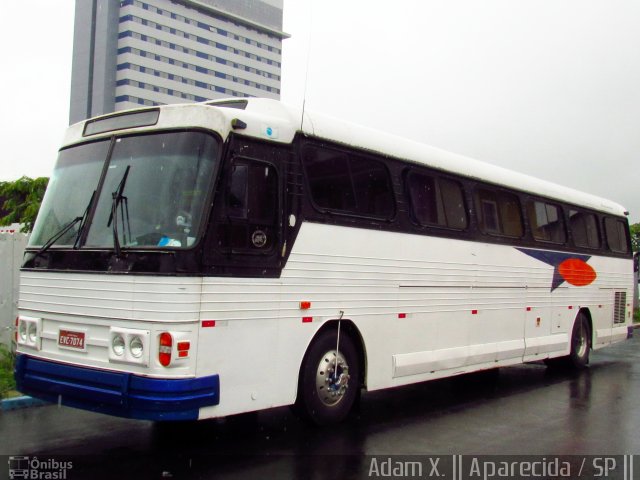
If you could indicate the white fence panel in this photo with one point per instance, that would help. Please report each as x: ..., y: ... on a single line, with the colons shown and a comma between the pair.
x: 12, y: 247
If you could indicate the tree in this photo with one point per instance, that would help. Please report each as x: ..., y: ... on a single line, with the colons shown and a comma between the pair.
x: 635, y: 236
x: 20, y: 201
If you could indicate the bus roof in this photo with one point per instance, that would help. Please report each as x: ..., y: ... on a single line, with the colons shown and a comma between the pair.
x: 272, y: 120
x: 340, y: 131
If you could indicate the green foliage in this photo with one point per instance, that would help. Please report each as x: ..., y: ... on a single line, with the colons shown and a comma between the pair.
x: 7, y: 360
x: 21, y: 201
x: 635, y: 236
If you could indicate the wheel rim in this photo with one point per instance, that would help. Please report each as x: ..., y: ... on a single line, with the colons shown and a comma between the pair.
x: 332, y: 378
x: 581, y: 342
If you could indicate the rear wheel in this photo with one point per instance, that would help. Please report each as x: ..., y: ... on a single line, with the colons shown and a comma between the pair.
x: 329, y: 379
x: 580, y: 343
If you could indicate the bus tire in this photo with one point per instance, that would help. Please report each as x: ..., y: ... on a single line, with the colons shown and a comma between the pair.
x: 580, y: 343
x: 326, y: 397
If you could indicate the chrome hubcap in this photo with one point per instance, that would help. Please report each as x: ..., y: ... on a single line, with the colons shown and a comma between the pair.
x: 332, y: 378
x: 582, y: 343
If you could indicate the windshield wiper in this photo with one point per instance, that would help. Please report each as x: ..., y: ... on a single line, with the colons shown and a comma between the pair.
x: 57, y: 236
x: 122, y: 201
x: 83, y: 224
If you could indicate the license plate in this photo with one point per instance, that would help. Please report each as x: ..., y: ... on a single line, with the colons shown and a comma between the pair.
x: 71, y: 339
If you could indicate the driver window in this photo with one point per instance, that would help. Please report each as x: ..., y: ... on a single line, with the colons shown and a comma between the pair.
x: 251, y: 207
x: 238, y: 192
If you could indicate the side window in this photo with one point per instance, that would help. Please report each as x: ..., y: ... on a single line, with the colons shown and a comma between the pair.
x: 329, y: 179
x: 436, y: 201
x: 616, y: 231
x: 372, y: 185
x: 498, y: 213
x: 251, y: 207
x: 546, y: 222
x: 584, y: 229
x: 348, y: 183
x: 454, y: 206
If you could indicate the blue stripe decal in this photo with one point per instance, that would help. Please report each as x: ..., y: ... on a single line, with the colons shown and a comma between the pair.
x: 115, y: 393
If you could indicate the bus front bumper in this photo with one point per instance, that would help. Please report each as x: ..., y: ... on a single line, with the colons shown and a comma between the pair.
x: 116, y: 393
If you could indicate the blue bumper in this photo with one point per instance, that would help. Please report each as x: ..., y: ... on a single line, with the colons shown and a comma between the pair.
x: 115, y: 393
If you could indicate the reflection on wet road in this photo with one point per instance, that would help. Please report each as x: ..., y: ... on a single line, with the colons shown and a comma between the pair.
x: 526, y: 409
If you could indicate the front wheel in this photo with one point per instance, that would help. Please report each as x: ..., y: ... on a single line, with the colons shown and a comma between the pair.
x: 580, y: 343
x: 329, y: 379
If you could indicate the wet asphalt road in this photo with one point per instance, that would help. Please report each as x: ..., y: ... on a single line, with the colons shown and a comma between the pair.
x: 526, y: 409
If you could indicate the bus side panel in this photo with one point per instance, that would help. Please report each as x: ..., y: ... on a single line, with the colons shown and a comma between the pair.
x: 239, y: 341
x: 426, y: 308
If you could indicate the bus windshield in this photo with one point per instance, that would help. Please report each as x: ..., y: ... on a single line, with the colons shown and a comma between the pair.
x: 152, y: 192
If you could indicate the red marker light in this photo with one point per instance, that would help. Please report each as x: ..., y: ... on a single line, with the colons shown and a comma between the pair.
x: 305, y: 305
x: 402, y: 315
x: 307, y: 319
x: 183, y: 349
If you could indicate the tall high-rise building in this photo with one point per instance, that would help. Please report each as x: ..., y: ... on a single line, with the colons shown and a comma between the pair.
x: 129, y: 53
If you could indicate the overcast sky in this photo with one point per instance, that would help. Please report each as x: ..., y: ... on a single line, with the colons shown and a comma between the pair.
x: 545, y: 87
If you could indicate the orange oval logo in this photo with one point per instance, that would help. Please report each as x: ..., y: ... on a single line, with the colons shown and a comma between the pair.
x: 577, y: 272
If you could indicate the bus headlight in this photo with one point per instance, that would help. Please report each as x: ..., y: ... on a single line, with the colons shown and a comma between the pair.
x: 22, y: 330
x: 29, y: 331
x: 117, y: 345
x: 32, y: 332
x: 136, y: 347
x: 129, y: 345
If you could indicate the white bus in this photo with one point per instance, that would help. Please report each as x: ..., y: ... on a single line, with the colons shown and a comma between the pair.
x: 204, y: 260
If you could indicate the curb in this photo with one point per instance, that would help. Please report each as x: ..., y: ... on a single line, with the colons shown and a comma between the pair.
x: 21, y: 402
